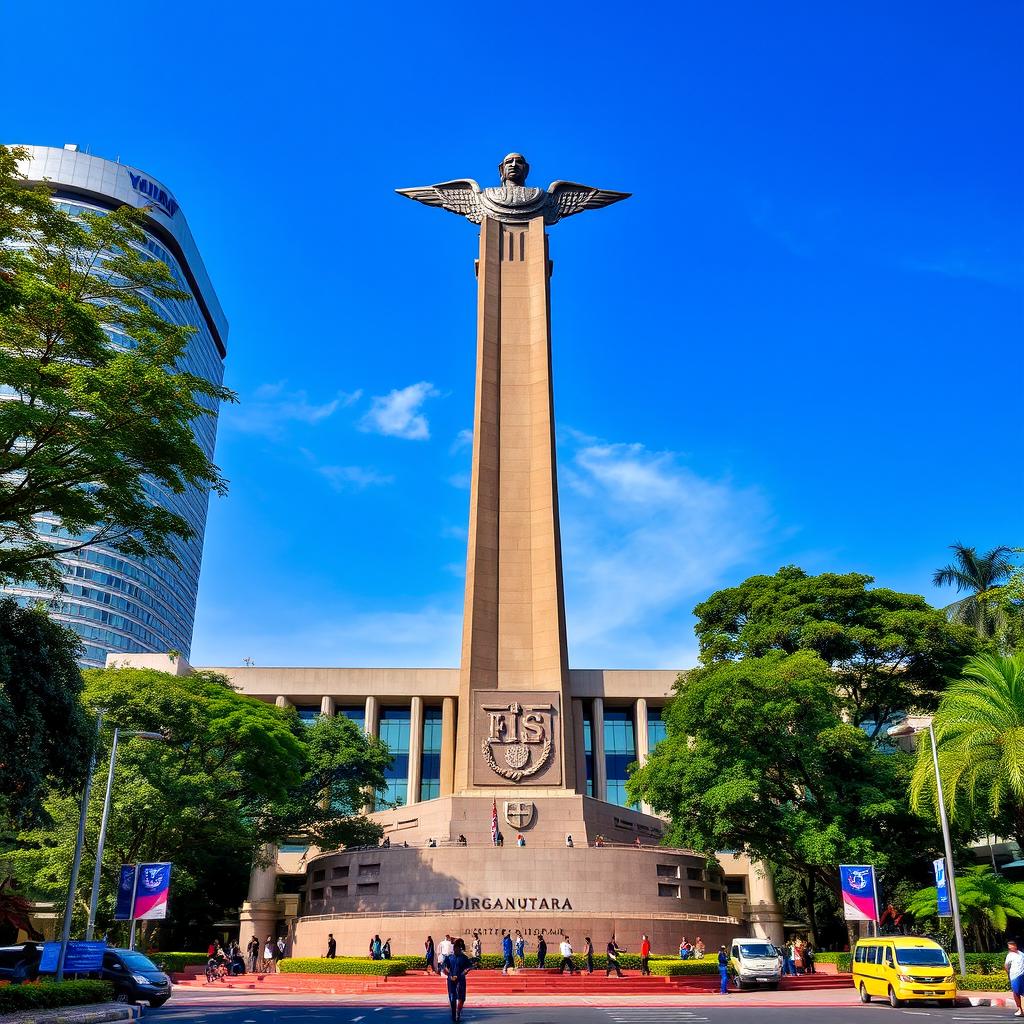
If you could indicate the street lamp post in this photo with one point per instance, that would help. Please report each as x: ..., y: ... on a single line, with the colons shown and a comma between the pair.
x: 906, y: 729
x: 94, y: 898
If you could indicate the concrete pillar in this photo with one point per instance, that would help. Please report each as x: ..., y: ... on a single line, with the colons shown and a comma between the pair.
x: 259, y: 912
x: 327, y: 707
x: 597, y: 743
x: 415, y: 748
x: 283, y: 702
x: 766, y: 915
x: 447, y: 746
x: 581, y: 754
x: 642, y: 748
x: 372, y: 717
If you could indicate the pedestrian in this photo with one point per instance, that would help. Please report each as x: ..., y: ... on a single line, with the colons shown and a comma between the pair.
x: 386, y: 843
x: 385, y: 950
x: 456, y: 967
x: 375, y: 948
x: 542, y: 952
x: 506, y: 951
x: 462, y: 840
x: 809, y: 959
x: 568, y: 841
x: 332, y: 946
x: 599, y: 841
x: 444, y: 950
x: 723, y: 971
x: 788, y: 966
x: 798, y: 957
x: 612, y: 961
x: 280, y: 947
x: 477, y: 946
x: 268, y: 955
x: 645, y: 954
x: 565, y: 948
x: 428, y: 949
x: 588, y: 952
x: 520, y: 950
x: 1014, y: 966
x: 684, y: 949
x: 499, y: 840
x: 253, y: 949
x: 520, y: 839
x: 698, y: 948
x: 211, y: 950
x: 637, y: 843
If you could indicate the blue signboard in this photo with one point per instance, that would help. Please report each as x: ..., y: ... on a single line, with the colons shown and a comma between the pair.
x: 942, y: 888
x: 125, y: 893
x: 80, y: 958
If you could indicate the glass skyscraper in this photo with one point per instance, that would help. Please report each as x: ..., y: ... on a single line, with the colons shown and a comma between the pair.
x: 118, y: 604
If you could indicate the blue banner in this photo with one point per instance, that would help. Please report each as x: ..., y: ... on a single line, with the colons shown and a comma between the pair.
x: 860, y: 897
x: 152, y: 887
x: 125, y: 893
x: 942, y: 888
x: 80, y: 958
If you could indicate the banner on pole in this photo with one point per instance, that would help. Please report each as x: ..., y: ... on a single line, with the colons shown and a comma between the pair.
x: 81, y: 957
x: 860, y: 894
x: 125, y: 892
x: 152, y: 885
x: 942, y: 887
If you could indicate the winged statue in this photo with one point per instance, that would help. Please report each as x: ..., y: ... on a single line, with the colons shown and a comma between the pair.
x: 512, y: 202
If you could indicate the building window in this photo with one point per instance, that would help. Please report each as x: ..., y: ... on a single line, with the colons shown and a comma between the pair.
x: 695, y: 874
x: 665, y: 889
x: 430, y: 765
x: 318, y: 894
x: 369, y: 870
x: 619, y: 753
x: 354, y: 713
x: 736, y: 886
x: 341, y: 872
x: 394, y: 733
x: 695, y: 893
x: 319, y: 876
x: 366, y: 888
x: 668, y: 871
x: 309, y: 713
x: 656, y: 729
x: 588, y: 752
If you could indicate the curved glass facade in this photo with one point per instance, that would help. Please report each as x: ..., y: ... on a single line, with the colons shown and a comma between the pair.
x: 116, y: 603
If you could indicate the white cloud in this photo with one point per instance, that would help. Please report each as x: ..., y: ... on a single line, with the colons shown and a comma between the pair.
x: 344, y: 478
x: 272, y: 407
x: 644, y: 539
x: 397, y: 414
x: 463, y: 439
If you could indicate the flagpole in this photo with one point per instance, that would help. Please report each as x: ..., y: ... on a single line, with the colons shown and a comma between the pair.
x: 131, y: 913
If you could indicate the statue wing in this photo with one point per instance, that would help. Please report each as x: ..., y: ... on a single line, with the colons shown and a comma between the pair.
x: 569, y: 197
x: 461, y: 196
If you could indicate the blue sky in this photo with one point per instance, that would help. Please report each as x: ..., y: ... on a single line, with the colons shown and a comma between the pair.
x: 799, y: 341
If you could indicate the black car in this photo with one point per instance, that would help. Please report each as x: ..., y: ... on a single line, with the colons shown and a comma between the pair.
x: 135, y: 977
x: 20, y: 963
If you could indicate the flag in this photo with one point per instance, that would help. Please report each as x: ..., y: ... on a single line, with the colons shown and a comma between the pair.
x: 152, y: 885
x: 942, y: 887
x: 860, y: 894
x: 494, y: 821
x: 125, y: 892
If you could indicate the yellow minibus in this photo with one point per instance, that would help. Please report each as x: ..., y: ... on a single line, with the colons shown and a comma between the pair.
x: 903, y: 968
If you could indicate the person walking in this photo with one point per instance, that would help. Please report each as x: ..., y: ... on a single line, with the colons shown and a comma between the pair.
x: 698, y: 948
x: 565, y: 948
x: 456, y: 967
x: 253, y: 950
x: 588, y: 952
x: 375, y: 948
x: 444, y: 950
x: 645, y: 955
x: 428, y: 949
x: 332, y: 946
x: 1014, y: 967
x: 798, y: 957
x: 723, y: 971
x: 506, y: 951
x: 568, y: 842
x: 612, y: 961
x: 268, y: 955
x: 520, y: 839
x: 385, y: 950
x: 520, y: 950
x: 809, y: 959
x: 279, y: 950
x: 477, y: 946
x: 542, y: 952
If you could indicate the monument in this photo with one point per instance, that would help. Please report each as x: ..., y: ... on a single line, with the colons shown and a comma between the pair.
x: 514, y: 740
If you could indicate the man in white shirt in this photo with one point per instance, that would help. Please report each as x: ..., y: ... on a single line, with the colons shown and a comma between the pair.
x: 445, y: 948
x: 1014, y: 965
x: 565, y: 948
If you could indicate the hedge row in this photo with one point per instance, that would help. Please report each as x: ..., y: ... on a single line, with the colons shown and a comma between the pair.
x: 342, y: 965
x: 843, y: 961
x: 178, y: 961
x: 676, y: 968
x: 982, y: 982
x: 49, y: 995
x: 981, y: 963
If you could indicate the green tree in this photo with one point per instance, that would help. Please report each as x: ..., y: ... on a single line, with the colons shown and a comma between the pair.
x: 46, y: 736
x: 235, y: 773
x: 100, y: 399
x: 979, y: 734
x: 887, y: 652
x: 981, y: 576
x: 987, y: 901
x: 760, y: 759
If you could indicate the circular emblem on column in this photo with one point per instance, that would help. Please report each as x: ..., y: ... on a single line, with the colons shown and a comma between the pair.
x: 521, y: 735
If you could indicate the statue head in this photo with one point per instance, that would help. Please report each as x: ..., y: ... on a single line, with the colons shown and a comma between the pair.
x: 514, y: 169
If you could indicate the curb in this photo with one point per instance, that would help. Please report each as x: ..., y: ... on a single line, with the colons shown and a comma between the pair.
x: 99, y: 1013
x: 1006, y: 1002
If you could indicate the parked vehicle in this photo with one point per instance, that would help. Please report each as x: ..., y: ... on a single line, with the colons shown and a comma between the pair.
x: 134, y: 976
x: 754, y: 962
x: 21, y: 962
x: 903, y: 968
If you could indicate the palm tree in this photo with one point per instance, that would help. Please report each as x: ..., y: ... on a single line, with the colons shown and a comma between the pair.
x: 987, y: 903
x: 979, y: 733
x: 981, y: 576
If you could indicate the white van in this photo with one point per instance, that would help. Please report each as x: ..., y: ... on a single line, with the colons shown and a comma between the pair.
x: 754, y: 962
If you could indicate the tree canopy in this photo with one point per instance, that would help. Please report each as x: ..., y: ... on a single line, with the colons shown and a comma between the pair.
x: 98, y: 401
x: 235, y: 773
x: 888, y: 652
x: 982, y: 577
x: 46, y: 736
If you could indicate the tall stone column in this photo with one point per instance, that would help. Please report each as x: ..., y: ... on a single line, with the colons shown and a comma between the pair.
x: 514, y: 625
x: 581, y: 749
x: 371, y: 726
x: 642, y: 746
x: 766, y: 915
x: 327, y: 706
x: 447, y: 746
x: 415, y: 748
x: 597, y: 746
x: 258, y: 915
x: 283, y: 702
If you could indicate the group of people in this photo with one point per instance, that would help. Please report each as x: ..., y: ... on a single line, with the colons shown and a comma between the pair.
x: 378, y: 950
x: 691, y: 950
x: 264, y: 957
x: 797, y: 958
x: 225, y: 960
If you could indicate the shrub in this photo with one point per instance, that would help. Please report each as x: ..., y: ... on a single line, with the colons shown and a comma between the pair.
x: 342, y: 965
x: 678, y: 968
x: 171, y: 962
x: 47, y: 995
x: 843, y: 961
x: 980, y: 963
x: 982, y: 982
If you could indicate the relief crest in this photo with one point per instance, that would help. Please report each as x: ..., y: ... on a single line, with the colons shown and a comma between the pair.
x: 519, y: 738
